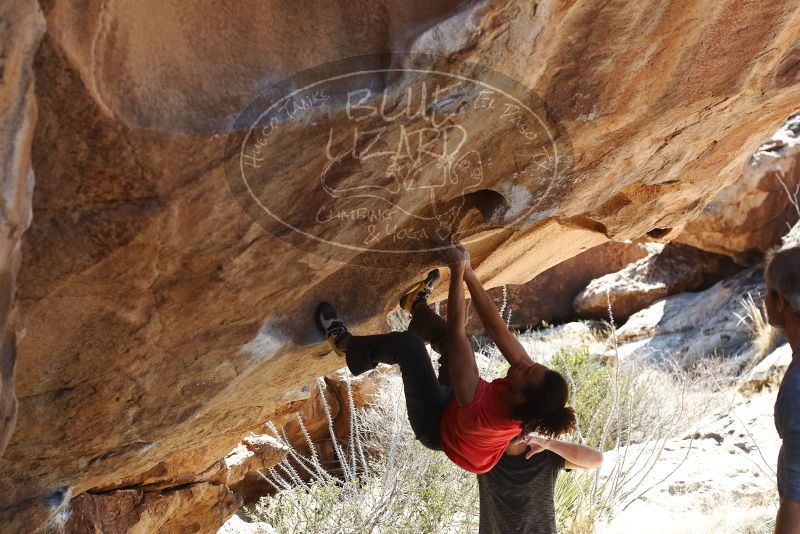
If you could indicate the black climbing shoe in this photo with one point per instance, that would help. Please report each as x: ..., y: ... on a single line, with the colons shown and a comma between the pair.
x: 330, y: 325
x: 420, y: 292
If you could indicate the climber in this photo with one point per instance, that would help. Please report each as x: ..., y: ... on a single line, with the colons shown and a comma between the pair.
x: 782, y: 301
x: 468, y: 418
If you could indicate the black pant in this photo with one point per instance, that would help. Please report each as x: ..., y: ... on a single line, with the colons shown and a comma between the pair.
x: 426, y: 397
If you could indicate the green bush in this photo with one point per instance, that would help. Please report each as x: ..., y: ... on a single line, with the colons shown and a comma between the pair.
x: 619, y: 405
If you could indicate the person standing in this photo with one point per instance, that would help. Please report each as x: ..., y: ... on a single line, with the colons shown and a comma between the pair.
x: 782, y: 302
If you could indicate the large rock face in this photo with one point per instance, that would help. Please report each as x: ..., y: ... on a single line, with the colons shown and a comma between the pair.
x: 748, y: 217
x: 158, y: 323
x: 23, y: 26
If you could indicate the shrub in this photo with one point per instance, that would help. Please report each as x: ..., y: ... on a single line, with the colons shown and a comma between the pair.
x: 408, y: 488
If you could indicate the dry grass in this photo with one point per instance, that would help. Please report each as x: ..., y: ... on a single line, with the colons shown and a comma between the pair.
x: 765, y: 337
x: 406, y: 488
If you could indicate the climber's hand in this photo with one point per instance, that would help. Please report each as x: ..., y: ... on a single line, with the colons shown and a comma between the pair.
x: 456, y: 256
x: 536, y: 445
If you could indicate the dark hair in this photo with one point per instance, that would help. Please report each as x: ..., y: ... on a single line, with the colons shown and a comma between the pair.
x: 782, y: 274
x: 545, y: 409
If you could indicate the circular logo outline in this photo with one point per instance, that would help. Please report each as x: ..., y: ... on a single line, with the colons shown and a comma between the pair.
x: 550, y: 130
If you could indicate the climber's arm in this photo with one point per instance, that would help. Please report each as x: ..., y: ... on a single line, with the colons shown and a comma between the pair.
x: 460, y: 357
x: 575, y: 455
x: 505, y: 340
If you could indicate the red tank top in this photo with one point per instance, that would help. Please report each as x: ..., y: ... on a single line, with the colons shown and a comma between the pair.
x: 475, y: 436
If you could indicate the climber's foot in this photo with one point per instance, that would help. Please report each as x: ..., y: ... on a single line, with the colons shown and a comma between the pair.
x: 420, y: 292
x: 332, y: 327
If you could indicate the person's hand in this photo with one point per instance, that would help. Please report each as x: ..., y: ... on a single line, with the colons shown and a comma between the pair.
x: 537, y: 444
x: 456, y: 256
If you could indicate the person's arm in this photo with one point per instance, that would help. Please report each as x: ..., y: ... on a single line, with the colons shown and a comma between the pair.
x: 575, y: 456
x: 494, y: 324
x: 788, y: 520
x: 460, y: 357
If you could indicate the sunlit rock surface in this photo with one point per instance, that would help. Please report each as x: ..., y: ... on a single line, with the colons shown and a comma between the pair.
x: 748, y: 217
x: 158, y: 323
x: 694, y: 325
x: 674, y: 269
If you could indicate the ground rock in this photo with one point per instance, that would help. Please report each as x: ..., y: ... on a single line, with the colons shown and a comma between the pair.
x: 690, y: 325
x: 235, y: 525
x: 769, y: 371
x: 161, y: 322
x: 748, y: 217
x: 674, y: 269
x: 716, y: 477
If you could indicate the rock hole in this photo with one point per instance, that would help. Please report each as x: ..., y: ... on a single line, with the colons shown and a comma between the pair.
x: 57, y: 497
x: 491, y: 204
x: 658, y: 233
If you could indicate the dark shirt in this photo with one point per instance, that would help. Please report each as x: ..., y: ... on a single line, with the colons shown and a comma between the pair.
x: 517, y: 494
x: 787, y: 422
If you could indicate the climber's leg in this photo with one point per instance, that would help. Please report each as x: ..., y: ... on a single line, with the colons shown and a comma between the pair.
x: 427, y: 324
x: 425, y: 397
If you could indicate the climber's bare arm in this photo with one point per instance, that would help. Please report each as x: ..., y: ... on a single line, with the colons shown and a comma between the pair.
x: 575, y: 455
x: 460, y: 357
x: 788, y: 520
x: 495, y: 326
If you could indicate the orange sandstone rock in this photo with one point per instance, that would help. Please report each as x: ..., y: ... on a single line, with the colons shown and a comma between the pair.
x: 160, y: 321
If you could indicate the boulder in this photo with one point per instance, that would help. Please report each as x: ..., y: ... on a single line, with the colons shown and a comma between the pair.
x: 236, y: 525
x: 200, y: 507
x: 689, y: 325
x: 203, y: 504
x: 674, y: 269
x: 157, y: 320
x: 548, y: 296
x: 769, y: 371
x: 748, y: 217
